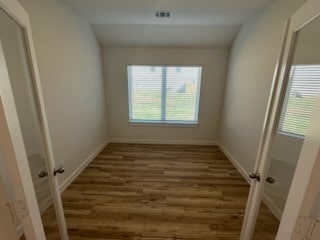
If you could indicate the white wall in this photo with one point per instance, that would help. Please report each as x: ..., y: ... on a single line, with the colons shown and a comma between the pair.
x: 308, y: 51
x: 214, y: 62
x: 253, y: 59
x: 69, y: 59
x: 287, y: 148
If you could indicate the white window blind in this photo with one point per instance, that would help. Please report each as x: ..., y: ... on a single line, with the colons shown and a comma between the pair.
x: 163, y: 94
x: 299, y: 103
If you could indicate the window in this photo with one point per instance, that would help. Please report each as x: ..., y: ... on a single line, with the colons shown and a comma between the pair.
x: 160, y: 94
x: 299, y: 103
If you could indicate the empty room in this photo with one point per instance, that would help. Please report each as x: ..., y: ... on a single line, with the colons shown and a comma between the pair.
x: 159, y: 120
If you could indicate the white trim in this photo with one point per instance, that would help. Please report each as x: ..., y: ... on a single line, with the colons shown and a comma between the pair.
x: 272, y: 207
x: 163, y: 96
x: 48, y: 202
x: 235, y: 163
x: 162, y: 124
x: 79, y: 170
x: 17, y: 162
x: 129, y: 72
x: 162, y: 141
x: 200, y: 74
x: 266, y: 199
x: 164, y: 65
x: 263, y: 158
x: 45, y: 204
x: 20, y: 231
x: 291, y: 135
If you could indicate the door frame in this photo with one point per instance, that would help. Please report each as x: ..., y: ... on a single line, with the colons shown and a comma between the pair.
x: 305, y: 184
x: 308, y: 12
x: 18, y: 164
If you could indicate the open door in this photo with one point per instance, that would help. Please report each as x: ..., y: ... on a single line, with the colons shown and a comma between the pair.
x: 28, y: 168
x: 289, y: 150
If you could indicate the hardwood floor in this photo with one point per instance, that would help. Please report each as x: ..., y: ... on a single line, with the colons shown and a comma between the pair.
x: 158, y: 192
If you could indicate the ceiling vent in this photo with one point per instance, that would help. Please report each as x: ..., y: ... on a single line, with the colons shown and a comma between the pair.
x: 163, y: 14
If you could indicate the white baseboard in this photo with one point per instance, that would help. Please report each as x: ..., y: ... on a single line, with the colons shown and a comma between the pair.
x: 47, y: 203
x: 272, y: 207
x: 162, y: 141
x: 235, y: 163
x: 20, y: 231
x: 266, y: 199
x: 76, y: 173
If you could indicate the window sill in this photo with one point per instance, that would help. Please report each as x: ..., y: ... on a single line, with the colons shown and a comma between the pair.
x: 162, y: 124
x: 291, y: 135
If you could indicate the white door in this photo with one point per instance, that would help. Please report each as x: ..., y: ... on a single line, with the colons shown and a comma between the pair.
x: 27, y: 165
x: 291, y: 138
x: 17, y: 183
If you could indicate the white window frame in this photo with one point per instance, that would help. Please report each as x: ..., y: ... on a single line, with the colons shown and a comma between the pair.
x: 283, y: 113
x: 164, y: 122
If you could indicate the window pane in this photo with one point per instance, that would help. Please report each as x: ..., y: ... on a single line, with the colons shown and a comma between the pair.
x: 145, y: 84
x: 164, y: 94
x: 301, y: 98
x: 182, y: 93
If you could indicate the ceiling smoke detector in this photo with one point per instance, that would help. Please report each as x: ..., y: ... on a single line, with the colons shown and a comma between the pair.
x: 163, y: 14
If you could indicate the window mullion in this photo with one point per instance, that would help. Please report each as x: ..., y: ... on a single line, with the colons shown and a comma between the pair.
x: 196, y: 113
x: 164, y: 94
x: 131, y: 91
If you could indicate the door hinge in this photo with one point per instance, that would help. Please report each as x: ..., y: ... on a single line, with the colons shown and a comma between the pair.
x: 18, y: 210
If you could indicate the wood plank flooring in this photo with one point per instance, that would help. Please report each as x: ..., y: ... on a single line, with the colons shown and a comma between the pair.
x: 158, y: 192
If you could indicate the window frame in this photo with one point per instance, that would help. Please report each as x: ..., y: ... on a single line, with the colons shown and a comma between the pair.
x: 285, y: 107
x: 164, y: 122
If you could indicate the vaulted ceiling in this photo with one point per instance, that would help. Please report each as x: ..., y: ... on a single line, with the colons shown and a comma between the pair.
x: 193, y: 23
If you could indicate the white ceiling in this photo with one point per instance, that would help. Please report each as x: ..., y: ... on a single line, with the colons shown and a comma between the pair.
x: 119, y: 35
x: 194, y: 23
